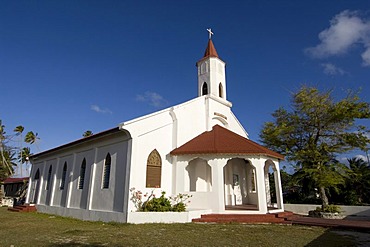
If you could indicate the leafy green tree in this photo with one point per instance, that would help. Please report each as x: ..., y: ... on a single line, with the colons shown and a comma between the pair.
x: 315, y: 131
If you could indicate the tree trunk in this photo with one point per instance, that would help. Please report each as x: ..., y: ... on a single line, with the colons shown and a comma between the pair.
x: 324, y: 198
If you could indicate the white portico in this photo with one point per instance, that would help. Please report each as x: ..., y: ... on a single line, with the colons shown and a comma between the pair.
x: 229, y: 173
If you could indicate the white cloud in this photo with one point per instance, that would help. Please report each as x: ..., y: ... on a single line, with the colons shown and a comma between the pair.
x: 97, y: 109
x: 153, y: 98
x: 331, y: 69
x: 346, y: 29
x: 366, y: 57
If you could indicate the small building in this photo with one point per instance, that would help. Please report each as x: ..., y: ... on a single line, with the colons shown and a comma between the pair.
x: 198, y: 147
x: 15, y: 190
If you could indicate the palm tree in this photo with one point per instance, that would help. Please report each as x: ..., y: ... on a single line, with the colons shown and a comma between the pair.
x: 19, y: 131
x: 2, y: 132
x: 87, y: 133
x: 24, y: 157
x: 6, y: 163
x: 359, y: 179
x: 31, y: 137
x: 6, y: 156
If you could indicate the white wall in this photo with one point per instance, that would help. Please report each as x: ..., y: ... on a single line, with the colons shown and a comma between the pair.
x: 112, y: 198
x: 350, y: 211
x: 92, y: 196
x: 78, y: 197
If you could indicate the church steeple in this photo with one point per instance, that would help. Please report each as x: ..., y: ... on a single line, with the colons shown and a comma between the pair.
x: 211, y: 72
x: 211, y: 50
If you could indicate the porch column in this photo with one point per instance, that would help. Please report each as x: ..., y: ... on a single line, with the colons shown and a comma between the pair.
x: 267, y: 184
x: 261, y: 190
x: 217, y: 200
x: 278, y: 186
x: 180, y: 165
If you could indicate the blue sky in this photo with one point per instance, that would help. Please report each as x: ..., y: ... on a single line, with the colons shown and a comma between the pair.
x: 71, y: 66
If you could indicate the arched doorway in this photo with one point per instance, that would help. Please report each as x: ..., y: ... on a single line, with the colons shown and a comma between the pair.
x: 35, y: 188
x: 240, y: 185
x: 271, y: 184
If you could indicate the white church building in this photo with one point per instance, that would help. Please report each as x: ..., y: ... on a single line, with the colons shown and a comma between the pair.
x: 198, y: 147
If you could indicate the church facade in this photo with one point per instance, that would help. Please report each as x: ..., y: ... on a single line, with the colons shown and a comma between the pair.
x: 198, y: 147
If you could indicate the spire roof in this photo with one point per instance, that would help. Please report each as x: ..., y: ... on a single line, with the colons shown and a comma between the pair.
x: 211, y: 50
x: 223, y: 141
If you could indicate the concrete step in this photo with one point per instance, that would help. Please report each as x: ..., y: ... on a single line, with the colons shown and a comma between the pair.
x: 243, y: 218
x: 23, y: 208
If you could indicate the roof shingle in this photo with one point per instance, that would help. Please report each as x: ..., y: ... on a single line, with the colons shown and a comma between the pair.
x: 223, y: 141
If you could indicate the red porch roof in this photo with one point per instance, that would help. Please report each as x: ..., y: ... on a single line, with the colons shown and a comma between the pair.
x: 15, y: 180
x: 223, y: 141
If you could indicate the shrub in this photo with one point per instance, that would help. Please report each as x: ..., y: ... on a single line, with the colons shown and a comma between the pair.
x: 160, y: 204
x: 329, y: 209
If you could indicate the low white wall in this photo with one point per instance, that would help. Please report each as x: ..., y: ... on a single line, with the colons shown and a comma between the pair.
x: 165, y: 217
x: 132, y: 217
x: 300, y: 208
x: 358, y: 211
x: 83, y: 214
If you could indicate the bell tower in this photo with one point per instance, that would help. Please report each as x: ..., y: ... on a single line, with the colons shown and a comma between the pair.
x: 211, y: 72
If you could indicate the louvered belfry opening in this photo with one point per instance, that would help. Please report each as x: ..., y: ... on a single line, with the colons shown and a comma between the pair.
x: 106, y: 172
x: 49, y: 178
x: 64, y: 174
x: 82, y: 175
x: 153, y: 170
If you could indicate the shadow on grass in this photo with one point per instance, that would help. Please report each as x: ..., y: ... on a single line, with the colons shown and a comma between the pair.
x: 331, y: 238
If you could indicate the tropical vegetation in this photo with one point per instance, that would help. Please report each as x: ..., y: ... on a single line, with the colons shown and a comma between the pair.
x: 312, y: 134
x: 14, y: 149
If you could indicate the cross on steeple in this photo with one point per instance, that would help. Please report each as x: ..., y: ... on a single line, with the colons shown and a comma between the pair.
x: 210, y: 33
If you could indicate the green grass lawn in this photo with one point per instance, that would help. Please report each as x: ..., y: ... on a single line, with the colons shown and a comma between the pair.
x: 35, y: 229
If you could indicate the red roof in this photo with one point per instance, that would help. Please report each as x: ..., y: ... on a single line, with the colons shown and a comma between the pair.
x: 15, y: 180
x: 211, y: 50
x: 223, y: 141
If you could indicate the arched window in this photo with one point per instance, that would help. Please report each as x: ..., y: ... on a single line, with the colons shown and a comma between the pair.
x: 205, y: 88
x: 37, y: 175
x: 220, y: 90
x: 49, y: 178
x: 153, y: 170
x: 81, y: 179
x: 64, y: 174
x: 106, y: 172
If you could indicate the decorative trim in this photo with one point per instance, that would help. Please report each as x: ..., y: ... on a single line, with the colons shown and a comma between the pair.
x: 220, y: 115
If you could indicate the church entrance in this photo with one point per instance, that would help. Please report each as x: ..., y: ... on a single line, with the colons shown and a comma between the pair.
x: 239, y: 185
